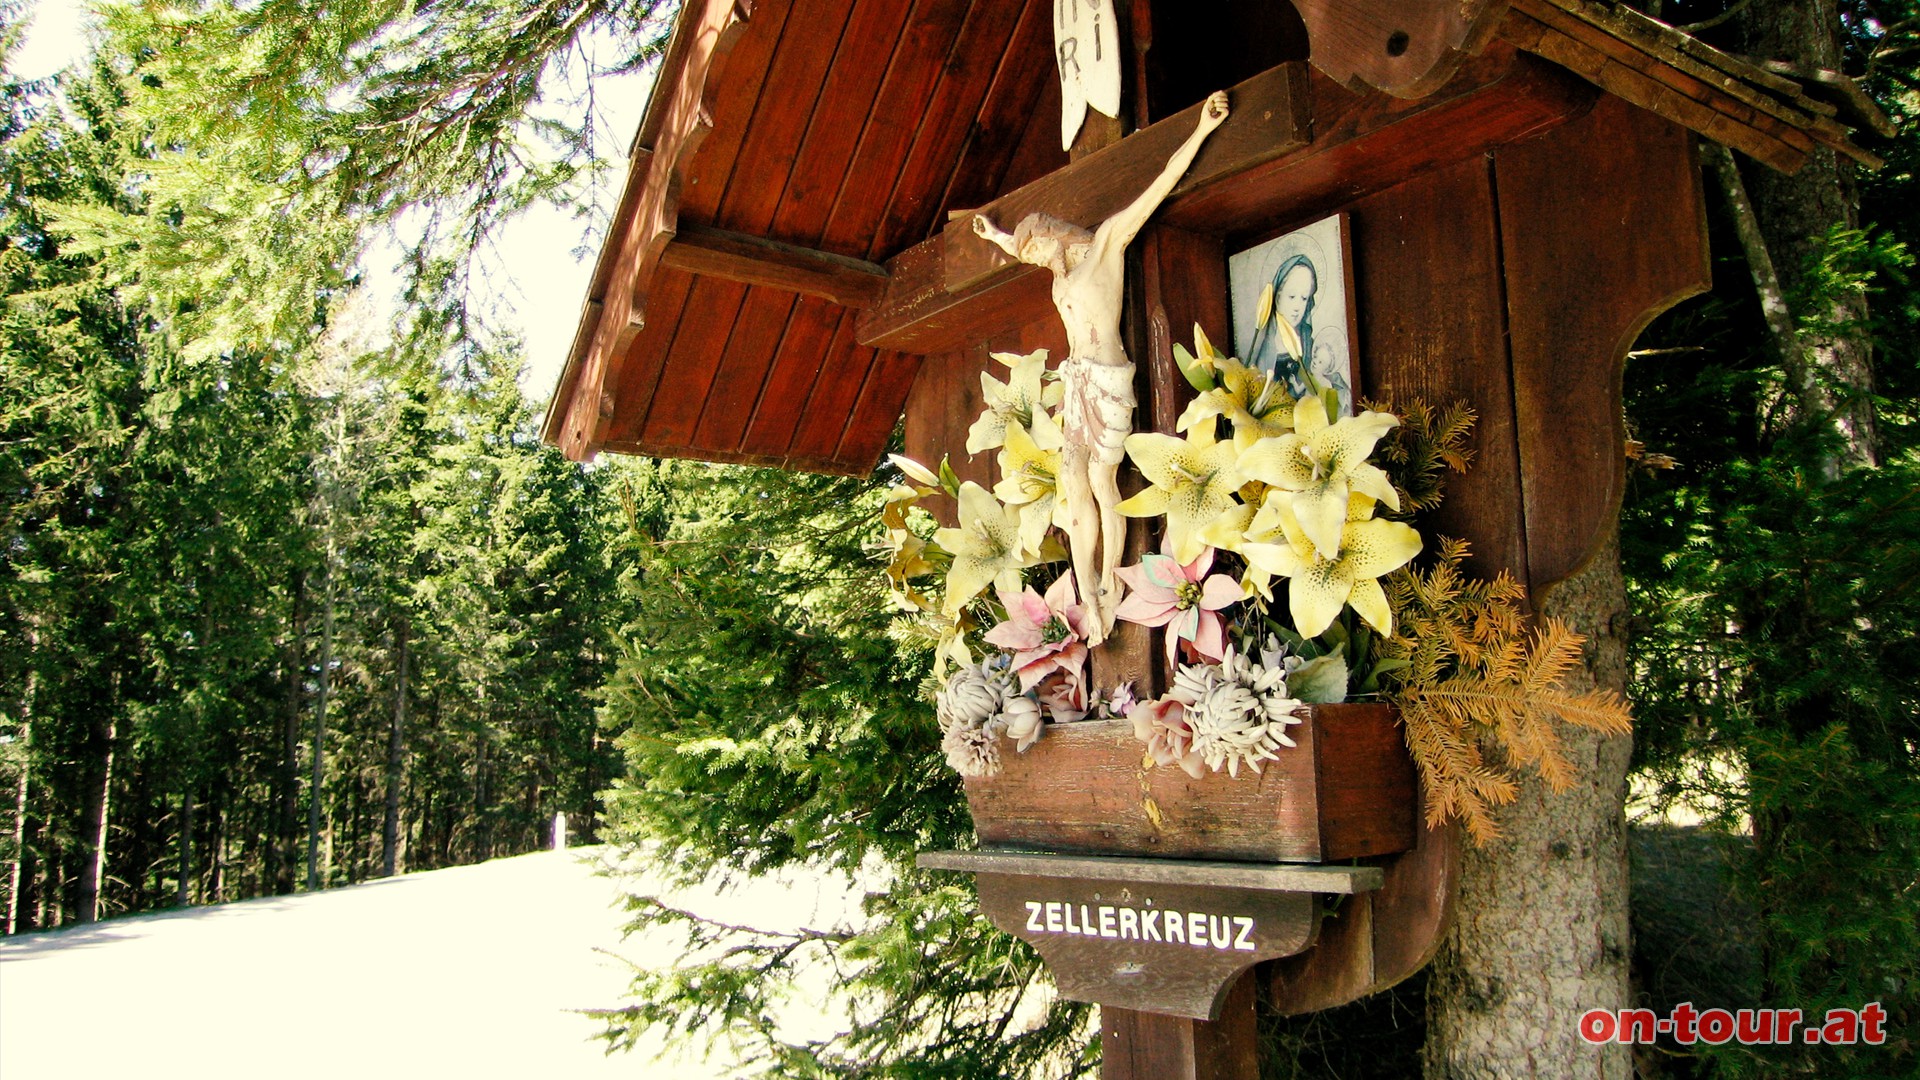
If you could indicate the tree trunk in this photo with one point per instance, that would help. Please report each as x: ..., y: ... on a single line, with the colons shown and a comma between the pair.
x: 18, y: 873
x: 1540, y: 932
x: 183, y: 887
x: 93, y: 829
x: 217, y: 882
x: 1795, y: 214
x: 31, y: 896
x: 280, y: 846
x: 396, y: 754
x: 316, y: 785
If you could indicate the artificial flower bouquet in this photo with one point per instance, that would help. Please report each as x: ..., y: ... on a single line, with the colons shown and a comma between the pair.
x: 1261, y: 493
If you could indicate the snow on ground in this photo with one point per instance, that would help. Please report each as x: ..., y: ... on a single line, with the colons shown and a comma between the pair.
x: 473, y: 972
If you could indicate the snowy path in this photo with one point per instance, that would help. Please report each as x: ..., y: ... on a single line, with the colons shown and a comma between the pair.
x: 470, y: 972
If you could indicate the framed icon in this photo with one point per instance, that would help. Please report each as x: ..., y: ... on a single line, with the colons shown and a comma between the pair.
x: 1293, y: 312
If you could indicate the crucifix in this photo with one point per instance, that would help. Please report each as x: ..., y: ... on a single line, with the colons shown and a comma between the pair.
x: 1089, y: 283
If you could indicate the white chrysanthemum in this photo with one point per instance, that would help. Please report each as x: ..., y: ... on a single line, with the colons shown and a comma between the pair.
x: 978, y: 705
x: 1020, y: 716
x: 972, y: 696
x: 1237, y: 710
x: 973, y: 751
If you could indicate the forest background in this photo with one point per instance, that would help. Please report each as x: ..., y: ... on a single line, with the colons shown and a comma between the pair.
x: 292, y: 597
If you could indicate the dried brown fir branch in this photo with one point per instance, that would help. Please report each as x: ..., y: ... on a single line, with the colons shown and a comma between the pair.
x: 1475, y: 677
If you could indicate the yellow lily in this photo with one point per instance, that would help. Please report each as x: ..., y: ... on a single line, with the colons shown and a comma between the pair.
x: 1193, y: 480
x: 1258, y: 407
x: 1014, y: 403
x: 986, y: 548
x: 1318, y: 587
x: 1320, y: 464
x: 1029, y: 479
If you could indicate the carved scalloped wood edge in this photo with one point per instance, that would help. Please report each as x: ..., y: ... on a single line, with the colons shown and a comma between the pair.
x: 678, y: 117
x: 1407, y: 50
x: 1761, y: 113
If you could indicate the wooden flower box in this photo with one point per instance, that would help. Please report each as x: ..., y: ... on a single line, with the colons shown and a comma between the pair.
x: 1344, y: 792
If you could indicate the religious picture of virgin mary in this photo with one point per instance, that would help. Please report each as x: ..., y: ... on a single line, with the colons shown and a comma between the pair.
x: 1291, y: 313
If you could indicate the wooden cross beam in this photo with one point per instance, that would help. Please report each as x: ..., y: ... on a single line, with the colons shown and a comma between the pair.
x: 1296, y: 145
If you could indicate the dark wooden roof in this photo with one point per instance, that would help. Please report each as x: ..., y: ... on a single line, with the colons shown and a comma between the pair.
x: 835, y: 127
x: 781, y: 257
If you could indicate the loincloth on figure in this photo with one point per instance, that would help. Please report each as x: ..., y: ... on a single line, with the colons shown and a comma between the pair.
x: 1098, y: 410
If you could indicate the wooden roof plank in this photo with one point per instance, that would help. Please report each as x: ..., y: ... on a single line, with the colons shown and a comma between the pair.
x: 1007, y: 113
x: 733, y: 102
x: 853, y: 89
x: 763, y: 322
x: 882, y: 398
x: 798, y: 365
x: 781, y: 118
x: 897, y: 113
x: 911, y: 210
x: 677, y: 123
x: 638, y: 376
x: 823, y: 420
x: 712, y: 309
x: 734, y: 329
x: 852, y: 84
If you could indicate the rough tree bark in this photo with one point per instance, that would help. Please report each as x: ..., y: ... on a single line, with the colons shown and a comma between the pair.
x: 18, y: 873
x: 1795, y: 213
x: 280, y: 848
x: 396, y: 754
x: 317, y: 783
x: 93, y: 829
x: 1540, y: 930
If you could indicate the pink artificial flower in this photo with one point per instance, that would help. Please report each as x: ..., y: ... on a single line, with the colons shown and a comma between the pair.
x: 1161, y: 723
x: 1161, y: 592
x: 1045, y: 635
x: 1064, y: 695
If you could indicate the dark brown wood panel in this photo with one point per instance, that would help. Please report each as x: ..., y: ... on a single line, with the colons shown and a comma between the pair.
x: 1441, y: 335
x: 878, y: 408
x: 706, y: 323
x: 764, y: 321
x: 1185, y: 284
x: 798, y: 364
x: 1592, y: 253
x: 874, y: 33
x: 1408, y: 50
x: 847, y: 99
x: 748, y: 330
x: 1010, y: 109
x: 1138, y: 1045
x: 730, y: 105
x: 898, y: 111
x: 1038, y: 152
x: 638, y: 372
x: 950, y: 111
x: 823, y: 420
x: 780, y: 121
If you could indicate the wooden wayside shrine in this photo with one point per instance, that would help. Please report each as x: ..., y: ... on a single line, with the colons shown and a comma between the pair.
x: 792, y: 271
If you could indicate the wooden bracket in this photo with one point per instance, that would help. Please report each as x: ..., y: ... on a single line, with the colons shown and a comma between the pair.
x: 1155, y: 935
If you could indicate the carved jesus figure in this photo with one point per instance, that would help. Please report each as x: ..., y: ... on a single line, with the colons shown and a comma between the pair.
x: 1089, y: 280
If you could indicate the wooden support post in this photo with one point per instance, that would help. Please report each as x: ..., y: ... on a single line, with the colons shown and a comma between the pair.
x: 1149, y: 1046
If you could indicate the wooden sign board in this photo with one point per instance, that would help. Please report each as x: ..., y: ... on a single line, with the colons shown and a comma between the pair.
x: 1159, y: 935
